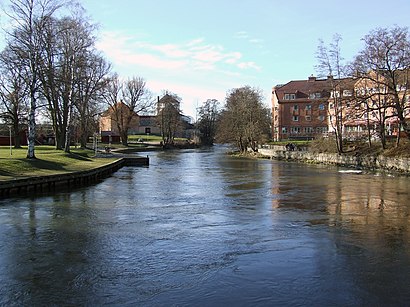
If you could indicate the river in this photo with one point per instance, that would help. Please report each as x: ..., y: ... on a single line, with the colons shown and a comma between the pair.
x: 200, y: 228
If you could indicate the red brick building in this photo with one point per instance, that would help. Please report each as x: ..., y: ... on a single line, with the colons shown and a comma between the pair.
x: 300, y: 109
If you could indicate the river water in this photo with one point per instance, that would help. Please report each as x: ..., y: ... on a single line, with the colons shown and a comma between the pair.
x: 200, y: 228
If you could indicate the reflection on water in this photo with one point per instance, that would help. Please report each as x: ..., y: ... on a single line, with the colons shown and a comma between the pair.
x: 200, y: 228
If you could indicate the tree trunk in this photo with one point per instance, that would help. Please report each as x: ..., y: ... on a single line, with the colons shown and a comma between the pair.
x: 17, y: 143
x: 124, y: 138
x: 84, y: 135
x: 398, y: 135
x: 68, y: 129
x: 32, y: 127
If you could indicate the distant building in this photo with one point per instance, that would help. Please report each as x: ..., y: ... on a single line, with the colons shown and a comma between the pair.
x: 141, y: 124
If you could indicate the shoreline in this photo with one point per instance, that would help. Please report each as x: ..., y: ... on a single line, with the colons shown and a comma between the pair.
x: 376, y: 163
x: 50, y: 183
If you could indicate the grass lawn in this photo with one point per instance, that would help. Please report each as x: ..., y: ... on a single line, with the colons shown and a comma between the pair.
x: 48, y: 161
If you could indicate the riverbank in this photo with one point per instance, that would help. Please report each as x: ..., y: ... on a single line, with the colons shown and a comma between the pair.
x: 373, y: 162
x: 49, y: 183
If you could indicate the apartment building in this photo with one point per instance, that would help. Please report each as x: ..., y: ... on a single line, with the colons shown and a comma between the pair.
x: 300, y: 109
x: 306, y: 109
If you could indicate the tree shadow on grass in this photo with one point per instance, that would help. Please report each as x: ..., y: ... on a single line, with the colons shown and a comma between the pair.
x: 77, y: 156
x: 45, y: 164
x: 5, y: 173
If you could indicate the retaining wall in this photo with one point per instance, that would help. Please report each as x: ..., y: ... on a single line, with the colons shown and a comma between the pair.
x: 40, y: 184
x: 368, y: 162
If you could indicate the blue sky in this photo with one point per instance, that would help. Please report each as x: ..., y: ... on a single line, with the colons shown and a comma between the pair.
x: 202, y: 49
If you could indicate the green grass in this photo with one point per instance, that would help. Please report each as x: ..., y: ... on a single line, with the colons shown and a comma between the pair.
x: 48, y: 161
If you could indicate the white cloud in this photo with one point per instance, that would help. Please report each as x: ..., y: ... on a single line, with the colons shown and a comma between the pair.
x: 195, y: 70
x: 241, y: 34
x: 124, y: 50
x: 246, y: 65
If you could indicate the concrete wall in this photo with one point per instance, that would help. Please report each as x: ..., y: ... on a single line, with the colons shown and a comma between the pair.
x: 369, y: 162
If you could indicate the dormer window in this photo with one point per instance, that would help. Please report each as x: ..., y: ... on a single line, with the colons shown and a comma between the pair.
x: 290, y: 96
x: 316, y: 95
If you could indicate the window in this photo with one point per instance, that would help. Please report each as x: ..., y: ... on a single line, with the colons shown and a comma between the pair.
x: 295, y: 130
x: 321, y: 107
x: 321, y: 118
x: 401, y: 87
x: 295, y: 118
x: 295, y: 107
x: 308, y: 107
x: 331, y: 105
x: 308, y: 129
x: 316, y: 95
x: 335, y: 94
x: 284, y: 130
x: 347, y: 93
x: 308, y: 118
x: 290, y: 96
x: 321, y: 129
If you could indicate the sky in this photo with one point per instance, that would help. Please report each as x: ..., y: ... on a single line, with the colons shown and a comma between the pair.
x: 202, y: 49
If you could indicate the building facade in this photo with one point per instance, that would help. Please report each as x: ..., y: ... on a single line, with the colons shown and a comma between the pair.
x: 300, y: 109
x: 307, y: 109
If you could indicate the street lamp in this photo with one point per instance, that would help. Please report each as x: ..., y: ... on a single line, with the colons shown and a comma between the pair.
x: 11, y: 148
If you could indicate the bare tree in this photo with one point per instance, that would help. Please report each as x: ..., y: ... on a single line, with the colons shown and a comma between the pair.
x: 208, y: 114
x: 374, y: 105
x: 13, y: 95
x: 385, y: 64
x: 330, y: 65
x: 244, y: 121
x: 126, y: 100
x: 30, y: 17
x: 169, y: 117
x: 91, y: 81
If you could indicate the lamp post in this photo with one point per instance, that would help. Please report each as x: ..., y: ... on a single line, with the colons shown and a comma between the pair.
x: 11, y: 147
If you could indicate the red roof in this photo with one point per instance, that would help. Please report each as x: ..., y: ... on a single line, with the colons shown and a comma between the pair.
x: 303, y: 88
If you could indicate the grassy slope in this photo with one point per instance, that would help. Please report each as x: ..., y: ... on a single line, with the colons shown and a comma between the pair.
x: 48, y: 161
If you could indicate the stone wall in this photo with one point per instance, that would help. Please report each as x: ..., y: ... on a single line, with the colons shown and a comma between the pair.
x: 368, y: 162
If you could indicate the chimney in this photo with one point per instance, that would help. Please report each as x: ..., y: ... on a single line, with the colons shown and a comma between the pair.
x: 330, y: 78
x: 312, y: 78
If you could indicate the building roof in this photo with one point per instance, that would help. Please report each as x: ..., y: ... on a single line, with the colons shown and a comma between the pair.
x: 303, y: 88
x: 117, y: 106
